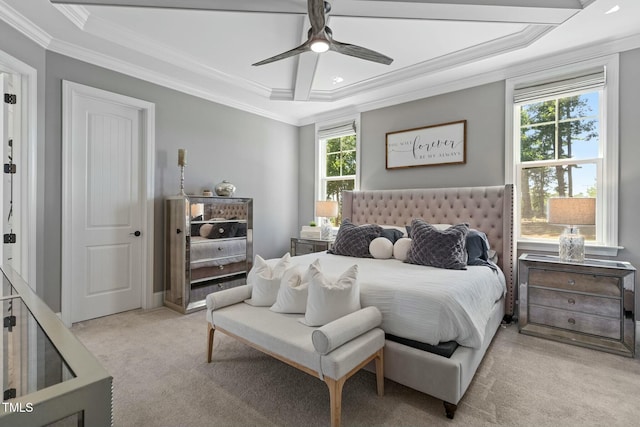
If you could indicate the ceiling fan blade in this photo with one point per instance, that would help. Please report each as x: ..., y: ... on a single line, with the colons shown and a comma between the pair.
x: 317, y: 16
x: 305, y: 47
x: 359, y: 52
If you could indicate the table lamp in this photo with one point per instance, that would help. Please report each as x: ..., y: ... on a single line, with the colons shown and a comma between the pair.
x: 326, y: 209
x: 572, y: 211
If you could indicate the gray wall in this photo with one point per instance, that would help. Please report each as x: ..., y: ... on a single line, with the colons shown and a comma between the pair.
x: 257, y: 154
x: 629, y: 204
x: 484, y: 109
x: 306, y: 162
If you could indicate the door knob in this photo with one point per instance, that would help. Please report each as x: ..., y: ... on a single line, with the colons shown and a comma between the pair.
x: 137, y: 233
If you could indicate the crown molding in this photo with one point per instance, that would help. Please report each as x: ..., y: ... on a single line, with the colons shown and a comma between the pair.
x: 485, y: 50
x: 24, y: 25
x: 570, y: 56
x: 78, y: 15
x: 145, y: 74
x: 521, y: 68
x: 129, y: 39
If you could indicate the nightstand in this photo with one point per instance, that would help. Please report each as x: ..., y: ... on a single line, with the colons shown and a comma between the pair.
x: 588, y: 303
x: 301, y: 246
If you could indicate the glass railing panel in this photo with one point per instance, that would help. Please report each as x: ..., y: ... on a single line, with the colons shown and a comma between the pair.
x: 30, y: 360
x: 48, y: 377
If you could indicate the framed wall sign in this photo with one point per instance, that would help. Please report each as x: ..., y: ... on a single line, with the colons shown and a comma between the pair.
x: 427, y: 146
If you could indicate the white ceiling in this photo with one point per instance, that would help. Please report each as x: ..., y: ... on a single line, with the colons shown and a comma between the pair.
x: 435, y: 45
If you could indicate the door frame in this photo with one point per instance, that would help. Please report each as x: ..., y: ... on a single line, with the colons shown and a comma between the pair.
x: 147, y: 158
x: 31, y: 178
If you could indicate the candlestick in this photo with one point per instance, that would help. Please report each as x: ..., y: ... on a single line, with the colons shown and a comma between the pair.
x: 182, y: 193
x: 182, y: 157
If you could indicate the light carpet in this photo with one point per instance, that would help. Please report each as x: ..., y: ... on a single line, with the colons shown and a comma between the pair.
x: 158, y: 362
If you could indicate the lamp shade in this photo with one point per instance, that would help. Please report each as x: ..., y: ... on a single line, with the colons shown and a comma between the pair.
x: 197, y: 209
x: 572, y: 210
x: 326, y: 208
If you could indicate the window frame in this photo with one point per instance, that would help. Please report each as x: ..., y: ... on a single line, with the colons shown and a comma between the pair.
x: 320, y: 151
x: 607, y: 179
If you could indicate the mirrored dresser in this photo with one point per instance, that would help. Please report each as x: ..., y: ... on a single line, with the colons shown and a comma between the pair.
x: 208, y: 247
x: 590, y: 303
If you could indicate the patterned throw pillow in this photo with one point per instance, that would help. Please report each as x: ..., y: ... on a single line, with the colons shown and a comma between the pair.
x: 354, y: 240
x: 438, y: 248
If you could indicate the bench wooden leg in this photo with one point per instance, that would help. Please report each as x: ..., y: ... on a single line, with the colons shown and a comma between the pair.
x: 210, y: 331
x: 380, y: 372
x: 335, y: 398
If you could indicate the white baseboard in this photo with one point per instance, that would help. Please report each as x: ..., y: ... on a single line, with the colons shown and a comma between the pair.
x: 158, y: 299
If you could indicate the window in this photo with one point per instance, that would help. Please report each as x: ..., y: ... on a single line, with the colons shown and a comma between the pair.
x: 338, y: 161
x: 564, y: 146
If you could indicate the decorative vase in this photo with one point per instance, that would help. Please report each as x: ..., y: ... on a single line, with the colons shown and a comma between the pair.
x: 225, y: 188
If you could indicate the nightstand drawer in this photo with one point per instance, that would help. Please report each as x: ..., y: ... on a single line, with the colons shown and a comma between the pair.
x: 302, y: 248
x: 575, y: 302
x: 579, y: 322
x: 576, y: 282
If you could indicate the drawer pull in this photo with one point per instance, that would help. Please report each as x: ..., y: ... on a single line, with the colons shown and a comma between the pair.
x: 571, y: 301
x: 571, y: 282
x: 221, y: 267
x: 220, y: 230
x: 219, y: 248
x: 572, y: 321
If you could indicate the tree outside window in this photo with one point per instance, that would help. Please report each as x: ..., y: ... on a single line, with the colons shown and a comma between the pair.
x: 559, y: 157
x: 340, y: 168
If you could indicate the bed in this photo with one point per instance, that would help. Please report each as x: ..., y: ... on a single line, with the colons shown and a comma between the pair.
x: 487, y: 209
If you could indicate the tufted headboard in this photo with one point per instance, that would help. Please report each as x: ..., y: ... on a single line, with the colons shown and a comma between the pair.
x: 489, y: 209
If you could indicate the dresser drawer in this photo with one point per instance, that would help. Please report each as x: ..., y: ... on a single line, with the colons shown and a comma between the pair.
x: 574, y: 321
x: 577, y: 282
x: 198, y: 274
x: 575, y: 302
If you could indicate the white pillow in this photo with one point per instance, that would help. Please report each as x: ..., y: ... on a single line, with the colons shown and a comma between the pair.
x: 205, y: 229
x: 293, y: 292
x: 331, y: 299
x: 381, y: 248
x: 401, y: 248
x: 265, y: 280
x: 441, y: 227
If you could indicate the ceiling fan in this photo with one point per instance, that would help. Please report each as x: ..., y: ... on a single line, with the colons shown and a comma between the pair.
x: 320, y: 39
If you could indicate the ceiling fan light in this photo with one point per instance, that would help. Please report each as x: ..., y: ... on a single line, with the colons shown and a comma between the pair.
x: 320, y: 46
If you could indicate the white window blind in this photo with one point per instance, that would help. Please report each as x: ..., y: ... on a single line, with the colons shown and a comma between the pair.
x: 337, y: 130
x: 588, y: 79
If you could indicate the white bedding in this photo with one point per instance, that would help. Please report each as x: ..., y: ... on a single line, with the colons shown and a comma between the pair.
x: 215, y: 252
x: 425, y: 304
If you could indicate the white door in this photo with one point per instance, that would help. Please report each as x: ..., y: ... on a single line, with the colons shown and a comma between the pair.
x: 106, y: 207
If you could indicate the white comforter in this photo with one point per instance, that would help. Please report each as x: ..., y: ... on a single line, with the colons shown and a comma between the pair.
x: 425, y: 304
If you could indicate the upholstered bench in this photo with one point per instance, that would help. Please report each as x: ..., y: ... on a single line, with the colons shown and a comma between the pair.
x: 332, y: 352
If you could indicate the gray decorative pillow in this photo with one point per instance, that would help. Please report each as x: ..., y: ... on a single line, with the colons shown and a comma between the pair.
x: 354, y: 240
x: 438, y: 248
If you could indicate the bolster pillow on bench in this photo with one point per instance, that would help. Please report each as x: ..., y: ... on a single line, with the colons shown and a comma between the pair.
x: 334, y: 334
x: 228, y: 297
